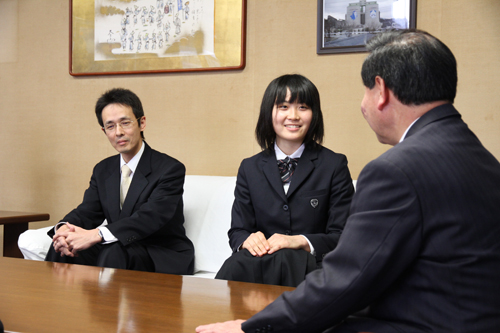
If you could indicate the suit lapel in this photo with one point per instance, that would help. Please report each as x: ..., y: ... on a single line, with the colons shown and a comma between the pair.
x: 139, y: 182
x: 113, y: 190
x: 303, y: 170
x: 270, y: 170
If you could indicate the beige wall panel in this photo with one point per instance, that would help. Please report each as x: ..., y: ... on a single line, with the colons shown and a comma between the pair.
x: 473, y: 36
x: 51, y: 139
x: 469, y: 29
x: 8, y: 33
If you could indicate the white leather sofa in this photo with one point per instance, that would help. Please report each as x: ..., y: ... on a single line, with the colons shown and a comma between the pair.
x: 207, y: 212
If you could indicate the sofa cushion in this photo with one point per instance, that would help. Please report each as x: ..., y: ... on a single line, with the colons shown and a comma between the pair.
x: 207, y: 211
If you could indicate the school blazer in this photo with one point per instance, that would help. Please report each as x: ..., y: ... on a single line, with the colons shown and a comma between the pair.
x: 316, y: 205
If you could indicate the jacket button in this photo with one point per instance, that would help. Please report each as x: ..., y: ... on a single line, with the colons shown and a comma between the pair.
x: 287, y: 232
x: 285, y: 207
x: 269, y: 328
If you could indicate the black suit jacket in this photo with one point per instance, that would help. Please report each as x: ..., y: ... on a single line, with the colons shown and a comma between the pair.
x: 316, y: 205
x: 152, y: 213
x: 421, y: 248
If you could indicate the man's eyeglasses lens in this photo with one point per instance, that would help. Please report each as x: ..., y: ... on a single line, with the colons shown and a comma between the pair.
x: 124, y: 124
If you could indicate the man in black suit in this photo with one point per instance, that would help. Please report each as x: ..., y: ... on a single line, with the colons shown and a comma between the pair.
x: 138, y: 192
x: 420, y: 251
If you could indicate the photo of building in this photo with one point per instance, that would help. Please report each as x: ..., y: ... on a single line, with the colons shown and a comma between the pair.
x: 354, y: 23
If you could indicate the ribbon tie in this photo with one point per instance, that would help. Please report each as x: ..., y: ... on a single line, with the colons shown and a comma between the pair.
x: 286, y: 168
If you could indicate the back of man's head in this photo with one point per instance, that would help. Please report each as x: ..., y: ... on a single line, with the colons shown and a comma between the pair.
x: 416, y: 66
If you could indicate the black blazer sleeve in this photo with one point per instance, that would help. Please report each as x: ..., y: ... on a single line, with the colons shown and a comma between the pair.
x: 89, y: 214
x: 243, y: 221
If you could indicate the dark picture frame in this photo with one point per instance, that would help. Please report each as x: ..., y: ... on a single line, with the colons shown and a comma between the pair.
x: 357, y: 21
x: 228, y: 37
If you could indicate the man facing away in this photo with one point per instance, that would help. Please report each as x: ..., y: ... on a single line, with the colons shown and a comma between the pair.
x: 138, y: 193
x: 420, y: 251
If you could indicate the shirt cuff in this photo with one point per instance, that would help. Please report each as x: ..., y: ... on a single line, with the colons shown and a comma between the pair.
x: 58, y: 225
x: 310, y: 246
x: 107, y: 236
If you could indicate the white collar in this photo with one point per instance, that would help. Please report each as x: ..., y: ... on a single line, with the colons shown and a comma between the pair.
x: 406, y: 132
x: 132, y: 164
x: 281, y: 155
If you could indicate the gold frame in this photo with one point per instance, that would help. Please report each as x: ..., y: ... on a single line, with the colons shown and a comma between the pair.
x: 229, y: 45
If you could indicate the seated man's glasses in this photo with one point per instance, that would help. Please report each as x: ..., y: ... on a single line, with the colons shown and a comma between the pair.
x: 124, y: 124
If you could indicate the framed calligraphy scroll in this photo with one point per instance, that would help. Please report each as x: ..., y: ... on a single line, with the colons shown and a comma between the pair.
x: 110, y: 37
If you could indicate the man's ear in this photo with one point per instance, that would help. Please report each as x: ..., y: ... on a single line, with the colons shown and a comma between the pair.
x: 384, y: 95
x: 142, y: 123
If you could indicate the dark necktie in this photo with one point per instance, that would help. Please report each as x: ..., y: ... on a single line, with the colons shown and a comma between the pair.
x: 287, y: 168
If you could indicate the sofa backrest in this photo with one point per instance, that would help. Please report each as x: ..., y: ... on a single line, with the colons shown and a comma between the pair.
x: 207, y: 211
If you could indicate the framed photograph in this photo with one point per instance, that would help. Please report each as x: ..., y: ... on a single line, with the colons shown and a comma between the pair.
x: 345, y: 26
x: 110, y: 37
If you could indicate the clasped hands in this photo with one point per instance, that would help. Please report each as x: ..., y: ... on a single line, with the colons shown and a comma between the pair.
x: 258, y: 245
x: 69, y: 239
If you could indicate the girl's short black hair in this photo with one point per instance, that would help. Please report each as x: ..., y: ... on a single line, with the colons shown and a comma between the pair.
x: 302, y: 90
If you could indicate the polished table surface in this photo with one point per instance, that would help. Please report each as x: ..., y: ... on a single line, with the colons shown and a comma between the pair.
x: 40, y: 296
x: 14, y: 224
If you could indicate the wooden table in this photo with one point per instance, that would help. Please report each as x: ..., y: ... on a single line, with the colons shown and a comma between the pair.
x: 16, y: 223
x: 38, y: 296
